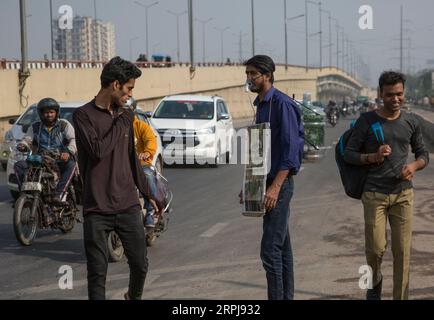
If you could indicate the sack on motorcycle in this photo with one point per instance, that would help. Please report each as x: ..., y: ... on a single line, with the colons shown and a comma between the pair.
x: 157, y: 187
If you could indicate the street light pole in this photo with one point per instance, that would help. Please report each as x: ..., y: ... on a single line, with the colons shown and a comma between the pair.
x: 177, y: 15
x: 320, y: 36
x: 146, y: 22
x: 330, y: 36
x: 221, y: 37
x: 131, y: 47
x: 51, y: 29
x: 204, y: 22
x: 253, y: 27
x: 286, y: 37
x: 307, y: 35
x: 191, y: 35
x: 24, y: 48
x: 307, y: 32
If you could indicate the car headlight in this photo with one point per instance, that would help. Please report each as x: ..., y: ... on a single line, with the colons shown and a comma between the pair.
x: 9, y: 137
x: 209, y: 130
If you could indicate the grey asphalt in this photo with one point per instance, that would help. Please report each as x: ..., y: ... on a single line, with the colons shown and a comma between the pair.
x: 212, y: 252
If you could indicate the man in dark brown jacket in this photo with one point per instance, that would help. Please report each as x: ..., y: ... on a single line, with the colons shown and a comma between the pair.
x: 111, y: 172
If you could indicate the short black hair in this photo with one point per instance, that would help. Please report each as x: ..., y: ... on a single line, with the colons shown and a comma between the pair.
x: 263, y: 63
x: 119, y: 69
x: 391, y: 78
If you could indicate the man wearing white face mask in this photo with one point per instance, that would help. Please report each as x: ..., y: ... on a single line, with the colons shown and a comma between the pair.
x: 287, y: 142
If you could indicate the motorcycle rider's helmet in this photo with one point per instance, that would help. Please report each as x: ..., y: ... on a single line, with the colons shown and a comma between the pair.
x: 48, y: 104
x: 332, y: 102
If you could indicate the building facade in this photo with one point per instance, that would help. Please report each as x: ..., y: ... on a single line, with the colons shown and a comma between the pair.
x: 88, y: 40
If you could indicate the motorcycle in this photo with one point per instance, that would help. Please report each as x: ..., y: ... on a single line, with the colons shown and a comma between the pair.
x: 333, y: 118
x: 115, y: 248
x: 34, y: 209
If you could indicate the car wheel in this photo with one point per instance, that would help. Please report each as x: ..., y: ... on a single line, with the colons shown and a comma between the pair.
x: 217, y: 158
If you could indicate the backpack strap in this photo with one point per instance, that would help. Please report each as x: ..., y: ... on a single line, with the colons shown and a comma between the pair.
x: 375, y: 126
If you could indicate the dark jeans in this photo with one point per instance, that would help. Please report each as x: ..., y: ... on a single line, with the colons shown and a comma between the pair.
x: 276, y: 251
x: 66, y: 169
x: 129, y: 227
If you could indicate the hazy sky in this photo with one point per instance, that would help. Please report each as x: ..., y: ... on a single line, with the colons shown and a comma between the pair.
x: 379, y: 47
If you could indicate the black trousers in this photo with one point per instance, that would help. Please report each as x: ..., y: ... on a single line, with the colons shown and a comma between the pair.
x: 129, y: 227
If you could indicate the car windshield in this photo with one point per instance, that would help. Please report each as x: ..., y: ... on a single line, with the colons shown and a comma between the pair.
x: 185, y: 110
x: 31, y: 115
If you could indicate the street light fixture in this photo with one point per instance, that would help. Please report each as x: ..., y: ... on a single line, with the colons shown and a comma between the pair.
x: 204, y: 22
x: 222, y: 30
x: 131, y: 47
x: 146, y: 19
x: 177, y: 15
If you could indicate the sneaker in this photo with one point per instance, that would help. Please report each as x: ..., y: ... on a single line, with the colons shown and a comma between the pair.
x: 375, y: 293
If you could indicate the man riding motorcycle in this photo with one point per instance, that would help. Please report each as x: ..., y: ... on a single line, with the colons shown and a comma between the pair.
x: 332, y: 107
x: 51, y: 134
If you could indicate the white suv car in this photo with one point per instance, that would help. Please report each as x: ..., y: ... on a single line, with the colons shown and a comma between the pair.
x: 194, y: 129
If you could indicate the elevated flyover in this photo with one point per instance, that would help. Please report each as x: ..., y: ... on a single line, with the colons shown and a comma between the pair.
x: 79, y: 81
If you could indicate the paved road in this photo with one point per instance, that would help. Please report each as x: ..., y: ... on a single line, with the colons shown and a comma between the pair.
x: 212, y: 252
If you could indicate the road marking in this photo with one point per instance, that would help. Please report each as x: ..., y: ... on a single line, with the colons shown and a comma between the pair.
x: 211, y: 232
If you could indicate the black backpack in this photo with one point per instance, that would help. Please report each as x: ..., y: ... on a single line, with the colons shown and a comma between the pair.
x: 354, y: 177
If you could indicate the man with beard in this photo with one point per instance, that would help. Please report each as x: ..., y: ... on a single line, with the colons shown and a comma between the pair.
x: 287, y: 142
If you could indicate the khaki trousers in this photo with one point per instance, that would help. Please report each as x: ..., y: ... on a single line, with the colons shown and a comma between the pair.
x: 398, y: 209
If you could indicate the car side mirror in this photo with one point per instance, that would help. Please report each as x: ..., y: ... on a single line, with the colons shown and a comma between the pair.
x: 148, y: 114
x: 223, y: 116
x: 12, y: 121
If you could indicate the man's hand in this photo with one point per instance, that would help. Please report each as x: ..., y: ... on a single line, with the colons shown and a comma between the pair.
x: 157, y: 211
x: 407, y: 171
x: 64, y: 156
x: 384, y: 151
x: 144, y: 156
x: 271, y: 197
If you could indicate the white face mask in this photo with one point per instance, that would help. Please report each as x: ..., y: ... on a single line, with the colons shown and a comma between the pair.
x: 248, y: 85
